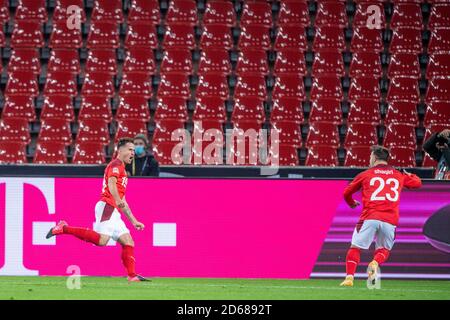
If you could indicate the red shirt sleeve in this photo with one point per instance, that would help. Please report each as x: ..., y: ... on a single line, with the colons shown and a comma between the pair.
x: 114, y: 171
x: 412, y: 181
x: 352, y: 188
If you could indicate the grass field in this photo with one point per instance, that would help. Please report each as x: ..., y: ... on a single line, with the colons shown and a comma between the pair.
x: 19, y: 288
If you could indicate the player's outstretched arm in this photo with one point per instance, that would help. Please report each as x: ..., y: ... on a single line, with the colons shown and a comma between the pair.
x: 411, y: 180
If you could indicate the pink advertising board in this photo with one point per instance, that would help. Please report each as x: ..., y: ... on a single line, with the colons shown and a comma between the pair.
x: 194, y: 227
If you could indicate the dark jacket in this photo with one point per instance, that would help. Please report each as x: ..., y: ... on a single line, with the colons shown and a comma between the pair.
x: 144, y: 166
x: 442, y: 156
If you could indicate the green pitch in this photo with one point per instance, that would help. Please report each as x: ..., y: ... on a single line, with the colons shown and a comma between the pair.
x: 171, y: 288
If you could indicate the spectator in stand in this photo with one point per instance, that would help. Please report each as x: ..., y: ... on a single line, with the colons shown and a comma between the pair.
x: 144, y: 163
x: 437, y: 146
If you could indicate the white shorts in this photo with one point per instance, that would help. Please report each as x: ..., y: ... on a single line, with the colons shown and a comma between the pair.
x: 364, y: 235
x: 108, y: 221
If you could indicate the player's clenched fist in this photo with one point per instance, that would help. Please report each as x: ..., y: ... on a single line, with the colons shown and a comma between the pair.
x: 355, y: 204
x: 138, y: 225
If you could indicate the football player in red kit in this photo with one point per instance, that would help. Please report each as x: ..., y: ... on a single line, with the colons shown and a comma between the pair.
x: 108, y: 222
x: 381, y: 186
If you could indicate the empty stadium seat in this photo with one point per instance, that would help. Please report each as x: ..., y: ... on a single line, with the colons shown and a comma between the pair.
x: 287, y: 109
x: 95, y: 107
x: 256, y: 13
x: 256, y: 37
x: 103, y: 60
x: 331, y: 13
x: 107, y: 10
x: 136, y: 84
x: 100, y: 84
x: 288, y: 86
x: 407, y: 15
x: 366, y: 64
x: 93, y: 131
x: 322, y: 133
x: 176, y: 60
x: 55, y: 130
x: 328, y: 64
x: 19, y: 107
x: 321, y: 156
x: 174, y: 85
x: 183, y: 12
x: 60, y: 83
x: 64, y: 60
x: 438, y: 112
x: 402, y: 157
x: 248, y: 109
x: 284, y: 156
x: 210, y: 108
x: 293, y: 13
x: 364, y: 88
x: 404, y: 89
x: 358, y: 156
x: 438, y: 90
x: 212, y: 85
x: 133, y: 107
x: 130, y: 128
x: 103, y: 35
x: 366, y: 40
x: 12, y: 152
x: 214, y: 61
x: 4, y: 12
x: 290, y: 62
x: 439, y: 16
x: 438, y: 65
x: 219, y: 12
x: 75, y: 15
x: 406, y: 40
x: 326, y: 110
x: 326, y: 87
x: 404, y: 65
x: 329, y: 39
x: 22, y: 83
x: 89, y: 153
x: 27, y: 34
x: 429, y: 162
x: 167, y: 153
x: 290, y: 37
x: 361, y: 134
x: 31, y: 10
x: 50, y: 153
x: 216, y: 36
x: 25, y: 60
x: 403, y: 135
x: 252, y: 61
x: 366, y: 12
x: 364, y: 111
x: 165, y: 130
x: 15, y: 130
x: 140, y: 60
x: 169, y: 108
x: 401, y: 112
x: 144, y: 11
x: 58, y: 107
x: 141, y: 35
x: 65, y: 37
x: 179, y: 36
x: 250, y: 86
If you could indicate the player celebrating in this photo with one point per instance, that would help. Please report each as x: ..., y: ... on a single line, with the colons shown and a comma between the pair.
x: 108, y: 223
x: 381, y: 185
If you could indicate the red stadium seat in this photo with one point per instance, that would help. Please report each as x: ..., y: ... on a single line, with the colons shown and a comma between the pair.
x: 329, y: 39
x: 182, y: 12
x: 429, y: 162
x: 326, y: 88
x: 25, y: 60
x: 290, y: 62
x: 136, y: 84
x: 4, y: 12
x: 290, y: 37
x: 250, y: 86
x: 365, y: 64
x: 438, y: 112
x: 15, y: 130
x: 439, y: 16
x: 406, y: 40
x: 331, y: 14
x: 404, y: 65
x: 19, y: 107
x: 244, y: 144
x: 60, y: 83
x: 167, y: 153
x: 176, y: 60
x: 27, y: 34
x: 141, y: 35
x: 402, y: 157
x: 366, y: 40
x: 214, y: 61
x: 173, y: 84
x: 50, y: 153
x: 130, y: 128
x: 12, y: 152
x: 256, y: 37
x: 360, y: 134
x: 321, y: 156
x: 401, y: 112
x: 284, y: 156
x: 133, y: 107
x: 365, y: 13
x: 288, y: 86
x: 31, y: 10
x: 358, y: 156
x: 219, y: 12
x: 252, y: 61
x: 55, y: 130
x: 64, y: 60
x: 103, y: 35
x: 210, y: 109
x: 248, y: 109
x: 165, y: 129
x: 328, y: 64
x: 103, y: 60
x: 179, y: 36
x: 100, y: 84
x: 58, y: 107
x: 403, y: 135
x: 65, y: 37
x: 293, y: 13
x: 95, y: 107
x: 322, y: 133
x: 212, y: 85
x: 2, y: 39
x: 326, y: 110
x: 89, y: 153
x: 407, y: 15
x: 171, y: 109
x: 140, y: 60
x: 364, y: 88
x: 207, y: 128
x: 93, y: 131
x: 405, y: 89
x: 62, y: 14
x: 256, y: 13
x: 107, y: 11
x: 438, y: 90
x: 144, y: 11
x: 216, y: 36
x: 286, y: 109
x: 22, y: 83
x: 433, y: 129
x: 364, y: 111
x: 438, y: 65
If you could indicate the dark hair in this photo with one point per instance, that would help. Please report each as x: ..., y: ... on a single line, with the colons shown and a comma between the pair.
x: 123, y: 141
x: 380, y: 152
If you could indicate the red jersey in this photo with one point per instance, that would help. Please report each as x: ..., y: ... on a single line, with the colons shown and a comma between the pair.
x: 115, y: 168
x: 381, y: 187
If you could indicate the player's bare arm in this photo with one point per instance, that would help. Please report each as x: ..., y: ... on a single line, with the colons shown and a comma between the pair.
x: 127, y: 211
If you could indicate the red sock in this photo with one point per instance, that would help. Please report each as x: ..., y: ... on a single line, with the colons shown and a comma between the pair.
x: 352, y: 260
x: 83, y: 234
x: 381, y: 255
x: 128, y: 260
